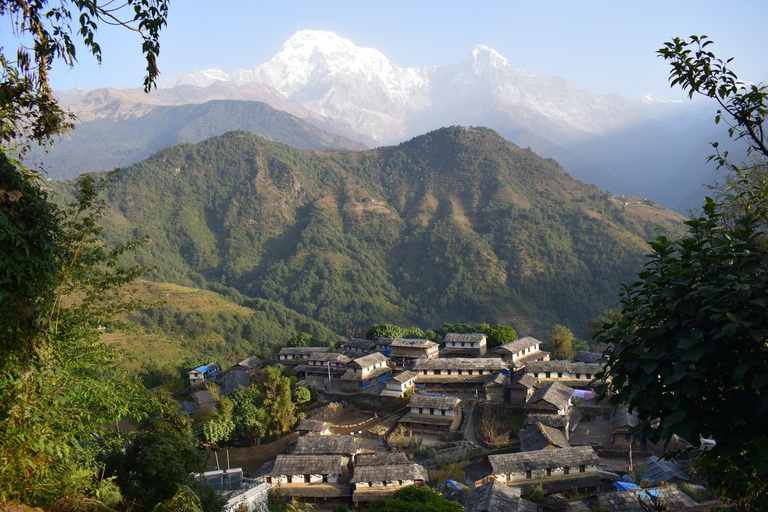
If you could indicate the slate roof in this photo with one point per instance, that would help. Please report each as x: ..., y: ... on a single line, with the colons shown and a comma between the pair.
x: 494, y: 496
x: 313, y: 425
x: 203, y: 397
x: 412, y: 343
x: 389, y: 472
x: 539, y: 436
x: 467, y: 338
x: 555, y: 393
x: 329, y: 356
x: 403, y: 376
x: 234, y: 379
x: 385, y: 341
x: 301, y: 350
x: 434, y: 402
x: 663, y: 470
x: 522, y: 379
x: 369, y: 360
x: 542, y: 459
x: 381, y: 458
x: 292, y: 464
x: 629, y: 501
x: 461, y: 363
x: 497, y: 379
x: 251, y: 362
x: 562, y: 366
x: 622, y: 419
x: 582, y: 356
x: 428, y: 419
x: 359, y: 343
x: 325, y: 445
x: 516, y: 346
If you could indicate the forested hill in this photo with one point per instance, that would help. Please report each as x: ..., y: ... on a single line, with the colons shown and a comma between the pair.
x: 457, y: 225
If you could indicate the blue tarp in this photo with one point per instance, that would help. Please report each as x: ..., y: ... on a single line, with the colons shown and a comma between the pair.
x: 453, y: 484
x: 387, y: 351
x: 626, y: 486
x: 203, y: 369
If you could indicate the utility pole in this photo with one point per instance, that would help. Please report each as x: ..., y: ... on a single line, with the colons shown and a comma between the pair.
x: 329, y: 375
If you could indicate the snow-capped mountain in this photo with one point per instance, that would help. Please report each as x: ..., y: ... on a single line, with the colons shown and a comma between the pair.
x: 624, y: 145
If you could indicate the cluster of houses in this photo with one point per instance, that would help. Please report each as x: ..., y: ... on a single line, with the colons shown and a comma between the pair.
x: 517, y: 375
x: 323, y: 466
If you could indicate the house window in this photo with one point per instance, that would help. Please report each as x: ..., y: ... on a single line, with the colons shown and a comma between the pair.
x: 459, y: 372
x: 528, y: 474
x: 509, y: 477
x: 560, y: 375
x: 462, y: 344
x: 566, y: 470
x: 582, y: 468
x: 290, y: 479
x: 306, y: 479
x: 325, y: 478
x: 269, y: 479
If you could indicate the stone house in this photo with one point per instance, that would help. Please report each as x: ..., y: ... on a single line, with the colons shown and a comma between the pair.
x: 520, y: 388
x: 250, y: 365
x: 575, y: 375
x: 356, y: 347
x: 406, y: 351
x: 397, y: 385
x: 319, y: 362
x: 292, y: 356
x: 464, y: 345
x: 523, y: 468
x: 554, y: 398
x: 496, y: 388
x: 432, y: 414
x: 457, y: 372
x: 311, y: 476
x: 621, y: 423
x: 379, y: 475
x: 365, y: 371
x: 316, y: 427
x: 521, y: 350
x: 205, y: 373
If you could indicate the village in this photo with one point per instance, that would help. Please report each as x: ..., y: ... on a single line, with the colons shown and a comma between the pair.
x: 501, y: 429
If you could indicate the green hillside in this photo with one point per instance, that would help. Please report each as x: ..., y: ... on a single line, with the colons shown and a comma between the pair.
x: 195, y: 322
x: 457, y: 225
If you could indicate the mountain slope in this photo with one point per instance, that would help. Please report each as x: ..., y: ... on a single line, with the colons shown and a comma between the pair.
x: 457, y: 225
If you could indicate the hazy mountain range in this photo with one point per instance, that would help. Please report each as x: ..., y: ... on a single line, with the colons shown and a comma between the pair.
x: 648, y: 147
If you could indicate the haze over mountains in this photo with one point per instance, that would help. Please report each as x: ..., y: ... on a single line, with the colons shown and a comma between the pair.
x: 647, y: 147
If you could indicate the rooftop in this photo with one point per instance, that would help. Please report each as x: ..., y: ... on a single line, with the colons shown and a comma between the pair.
x: 542, y: 459
x: 629, y: 501
x: 494, y: 496
x: 314, y: 464
x: 434, y: 402
x: 381, y: 458
x: 582, y: 356
x: 412, y: 343
x: 554, y: 393
x: 301, y: 350
x: 461, y: 363
x: 516, y: 346
x: 369, y: 360
x: 328, y: 356
x: 539, y: 436
x: 389, y: 472
x: 251, y: 362
x: 403, y: 376
x: 313, y: 425
x: 325, y: 445
x: 466, y: 338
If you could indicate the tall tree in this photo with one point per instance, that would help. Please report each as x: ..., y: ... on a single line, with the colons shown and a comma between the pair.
x: 562, y: 341
x: 691, y: 346
x: 60, y: 386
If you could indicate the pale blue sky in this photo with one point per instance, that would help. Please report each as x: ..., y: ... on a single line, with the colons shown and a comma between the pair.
x: 601, y: 46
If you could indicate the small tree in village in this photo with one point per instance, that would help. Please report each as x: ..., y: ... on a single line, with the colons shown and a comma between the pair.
x: 562, y: 342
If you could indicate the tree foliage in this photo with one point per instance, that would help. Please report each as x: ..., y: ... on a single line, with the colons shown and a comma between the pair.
x: 415, y: 498
x: 499, y: 335
x: 691, y: 347
x: 562, y: 342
